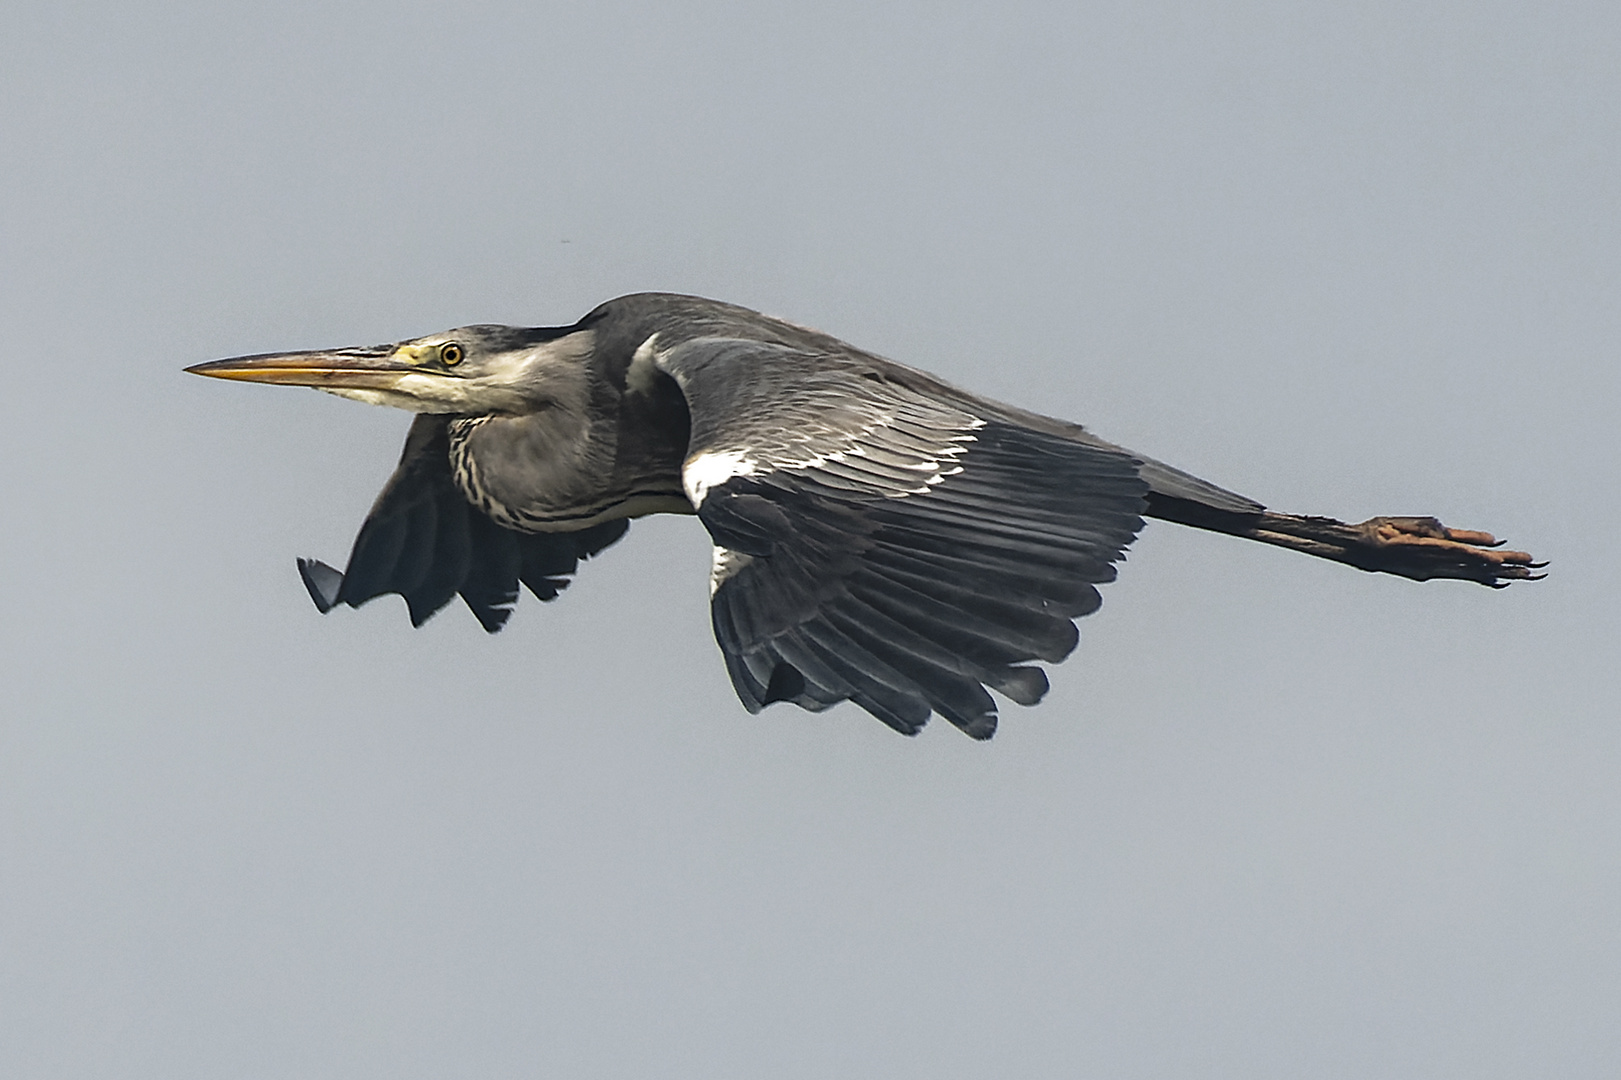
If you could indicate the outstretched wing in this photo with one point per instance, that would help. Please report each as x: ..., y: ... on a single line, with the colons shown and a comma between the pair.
x: 878, y: 541
x: 425, y: 541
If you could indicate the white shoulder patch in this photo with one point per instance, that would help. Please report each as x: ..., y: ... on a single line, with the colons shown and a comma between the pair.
x: 643, y: 366
x: 726, y: 563
x: 706, y: 470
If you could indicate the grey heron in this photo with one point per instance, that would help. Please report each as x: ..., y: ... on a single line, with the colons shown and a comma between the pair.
x: 880, y: 536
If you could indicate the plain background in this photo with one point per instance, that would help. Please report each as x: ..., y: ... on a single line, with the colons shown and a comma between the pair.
x: 1277, y: 818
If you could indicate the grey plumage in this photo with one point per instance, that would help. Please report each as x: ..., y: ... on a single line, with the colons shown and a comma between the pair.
x: 880, y: 536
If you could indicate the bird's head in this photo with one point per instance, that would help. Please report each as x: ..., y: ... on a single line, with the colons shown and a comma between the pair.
x: 472, y: 370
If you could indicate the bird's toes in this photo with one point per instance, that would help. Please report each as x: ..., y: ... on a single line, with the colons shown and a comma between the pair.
x: 1469, y: 545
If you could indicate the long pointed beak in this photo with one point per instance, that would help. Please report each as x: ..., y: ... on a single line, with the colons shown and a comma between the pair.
x: 375, y: 367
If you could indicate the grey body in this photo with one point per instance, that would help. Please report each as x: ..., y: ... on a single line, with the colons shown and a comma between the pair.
x: 880, y: 535
x: 621, y: 434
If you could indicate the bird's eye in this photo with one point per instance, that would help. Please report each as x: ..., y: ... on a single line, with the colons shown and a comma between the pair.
x: 451, y: 354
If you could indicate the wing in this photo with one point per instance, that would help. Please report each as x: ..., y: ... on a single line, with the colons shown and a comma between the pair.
x: 425, y: 541
x: 880, y: 541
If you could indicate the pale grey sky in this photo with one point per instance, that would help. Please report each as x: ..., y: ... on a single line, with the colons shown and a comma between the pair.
x: 1277, y: 818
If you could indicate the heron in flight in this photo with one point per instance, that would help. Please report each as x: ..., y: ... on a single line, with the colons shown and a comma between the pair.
x: 880, y: 536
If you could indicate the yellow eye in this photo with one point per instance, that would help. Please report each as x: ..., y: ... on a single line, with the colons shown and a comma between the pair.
x: 451, y: 354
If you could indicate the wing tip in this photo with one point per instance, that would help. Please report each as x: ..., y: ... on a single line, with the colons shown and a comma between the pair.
x: 1021, y: 684
x: 323, y: 583
x: 492, y: 617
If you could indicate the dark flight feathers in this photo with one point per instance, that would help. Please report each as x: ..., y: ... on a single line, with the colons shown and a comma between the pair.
x: 425, y: 541
x: 914, y: 604
x: 901, y: 564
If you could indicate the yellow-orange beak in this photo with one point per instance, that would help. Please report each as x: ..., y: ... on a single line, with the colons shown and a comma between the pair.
x: 377, y: 367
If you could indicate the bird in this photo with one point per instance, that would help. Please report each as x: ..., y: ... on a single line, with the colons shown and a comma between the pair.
x: 880, y: 536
